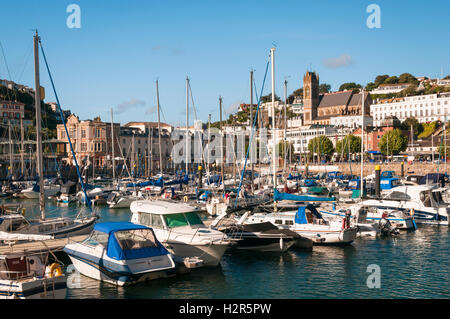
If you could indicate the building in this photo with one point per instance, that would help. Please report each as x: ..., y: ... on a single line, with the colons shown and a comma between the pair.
x: 143, y: 126
x: 299, y: 137
x: 11, y: 111
x: 390, y: 88
x: 351, y: 121
x: 425, y: 108
x: 91, y: 140
x: 320, y: 108
x: 372, y: 136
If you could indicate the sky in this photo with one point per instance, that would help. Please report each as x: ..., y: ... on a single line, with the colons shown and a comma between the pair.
x: 122, y: 47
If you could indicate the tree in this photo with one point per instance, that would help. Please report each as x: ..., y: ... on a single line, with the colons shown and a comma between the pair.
x: 350, y: 86
x: 289, y: 148
x: 407, y: 78
x: 349, y: 144
x: 391, y: 80
x: 268, y: 98
x: 406, y: 125
x: 322, y: 146
x: 410, y: 90
x: 393, y: 142
x: 447, y: 77
x: 324, y: 88
x: 370, y: 86
x: 380, y: 79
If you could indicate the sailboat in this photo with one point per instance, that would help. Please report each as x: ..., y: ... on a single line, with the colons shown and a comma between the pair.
x: 57, y: 227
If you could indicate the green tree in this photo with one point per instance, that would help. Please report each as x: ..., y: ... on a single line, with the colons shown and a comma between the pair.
x: 370, y: 86
x: 410, y: 90
x: 407, y: 78
x: 406, y: 125
x: 350, y: 86
x: 349, y: 144
x: 324, y: 88
x: 391, y: 80
x: 393, y: 142
x: 322, y: 146
x: 289, y: 147
x: 268, y: 98
x: 447, y: 77
x: 380, y: 79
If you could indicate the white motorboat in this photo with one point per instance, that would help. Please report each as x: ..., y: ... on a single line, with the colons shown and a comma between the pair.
x: 218, y: 205
x: 23, y: 275
x: 179, y: 228
x: 119, y: 199
x: 33, y: 192
x: 121, y: 253
x: 423, y: 201
x: 59, y: 227
x: 308, y: 222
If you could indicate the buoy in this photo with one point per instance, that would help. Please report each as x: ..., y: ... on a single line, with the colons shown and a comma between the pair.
x: 55, y: 270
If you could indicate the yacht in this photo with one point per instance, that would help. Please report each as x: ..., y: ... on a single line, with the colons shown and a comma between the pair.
x: 121, y: 253
x: 423, y: 202
x: 179, y: 228
x: 308, y: 222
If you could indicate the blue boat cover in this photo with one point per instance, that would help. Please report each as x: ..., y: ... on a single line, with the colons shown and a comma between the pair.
x: 277, y: 196
x: 300, y: 216
x: 116, y: 252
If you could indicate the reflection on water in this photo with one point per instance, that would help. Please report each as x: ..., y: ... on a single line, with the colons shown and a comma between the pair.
x: 413, y: 265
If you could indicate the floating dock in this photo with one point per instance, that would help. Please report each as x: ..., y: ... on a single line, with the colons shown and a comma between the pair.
x: 54, y: 245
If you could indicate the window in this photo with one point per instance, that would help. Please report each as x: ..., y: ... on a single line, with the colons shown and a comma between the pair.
x: 152, y: 220
x: 96, y: 238
x: 278, y: 221
x: 136, y: 239
x: 83, y: 147
x: 83, y: 133
x: 398, y: 195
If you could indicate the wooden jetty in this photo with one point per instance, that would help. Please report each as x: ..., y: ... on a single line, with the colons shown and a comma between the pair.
x: 54, y: 245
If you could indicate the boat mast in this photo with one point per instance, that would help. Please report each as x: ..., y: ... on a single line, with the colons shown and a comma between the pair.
x: 187, y: 125
x: 22, y: 166
x: 221, y: 144
x: 112, y: 140
x: 37, y: 101
x: 274, y: 137
x: 362, y: 142
x: 285, y: 128
x: 251, y: 120
x: 10, y: 149
x: 159, y: 131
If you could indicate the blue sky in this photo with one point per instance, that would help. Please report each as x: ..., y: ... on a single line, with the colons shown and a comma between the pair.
x: 122, y: 47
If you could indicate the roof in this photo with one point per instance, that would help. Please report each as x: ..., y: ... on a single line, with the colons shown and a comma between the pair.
x: 336, y: 98
x: 117, y: 226
x: 161, y: 207
x: 356, y: 99
x: 150, y: 124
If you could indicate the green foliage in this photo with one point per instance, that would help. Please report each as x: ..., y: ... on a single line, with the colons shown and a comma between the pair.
x: 409, y: 91
x: 393, y: 142
x: 391, y: 80
x: 289, y: 147
x: 417, y: 127
x: 447, y: 77
x: 428, y: 129
x: 407, y: 78
x: 441, y: 151
x: 370, y: 86
x: 268, y: 98
x: 349, y: 144
x: 321, y: 145
x: 350, y: 86
x: 324, y: 88
x: 380, y: 79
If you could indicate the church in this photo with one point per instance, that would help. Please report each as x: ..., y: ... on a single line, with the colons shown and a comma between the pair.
x: 321, y: 108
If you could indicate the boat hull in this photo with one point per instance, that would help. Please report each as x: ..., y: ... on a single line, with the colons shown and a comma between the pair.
x: 49, y: 288
x: 211, y: 254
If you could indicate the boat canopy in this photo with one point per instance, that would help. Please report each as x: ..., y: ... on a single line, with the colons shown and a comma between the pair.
x: 277, y: 196
x: 300, y: 216
x: 130, y: 241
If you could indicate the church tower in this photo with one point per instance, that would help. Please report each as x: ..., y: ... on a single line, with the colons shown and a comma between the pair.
x: 310, y: 96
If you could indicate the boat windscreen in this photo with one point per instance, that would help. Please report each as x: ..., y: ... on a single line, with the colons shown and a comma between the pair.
x: 136, y: 239
x: 176, y: 220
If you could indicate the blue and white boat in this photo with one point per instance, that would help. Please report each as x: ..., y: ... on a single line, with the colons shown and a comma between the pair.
x: 121, y: 253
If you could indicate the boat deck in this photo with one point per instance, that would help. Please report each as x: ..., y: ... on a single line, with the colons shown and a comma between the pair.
x: 40, y: 246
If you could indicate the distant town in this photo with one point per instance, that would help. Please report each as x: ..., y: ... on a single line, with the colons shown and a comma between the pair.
x: 404, y: 118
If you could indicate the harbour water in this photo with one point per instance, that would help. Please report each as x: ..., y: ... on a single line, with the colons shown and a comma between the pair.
x: 414, y: 264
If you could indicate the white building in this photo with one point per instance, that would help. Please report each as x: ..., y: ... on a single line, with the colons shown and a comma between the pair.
x: 353, y: 121
x: 390, y: 88
x: 425, y: 108
x: 301, y: 136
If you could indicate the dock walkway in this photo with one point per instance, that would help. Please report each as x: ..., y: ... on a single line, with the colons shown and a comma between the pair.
x: 40, y: 246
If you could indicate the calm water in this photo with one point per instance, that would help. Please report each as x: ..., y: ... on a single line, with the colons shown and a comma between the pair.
x: 413, y: 265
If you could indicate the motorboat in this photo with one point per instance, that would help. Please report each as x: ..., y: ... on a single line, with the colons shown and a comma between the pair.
x: 24, y: 275
x: 121, y: 253
x: 308, y: 222
x: 33, y: 192
x: 117, y: 199
x: 59, y: 227
x: 424, y: 202
x: 264, y: 237
x: 180, y: 229
x: 68, y: 193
